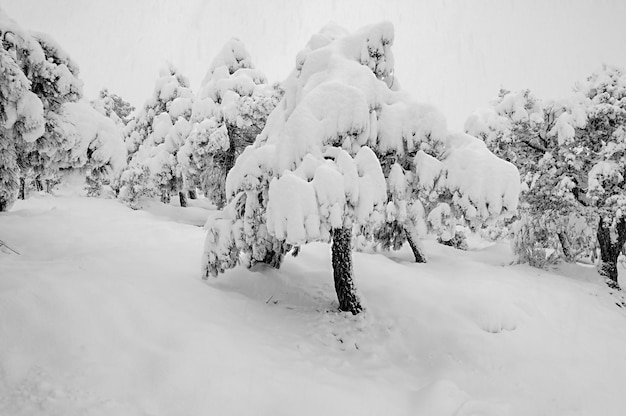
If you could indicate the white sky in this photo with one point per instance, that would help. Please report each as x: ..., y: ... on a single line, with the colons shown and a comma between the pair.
x: 453, y: 54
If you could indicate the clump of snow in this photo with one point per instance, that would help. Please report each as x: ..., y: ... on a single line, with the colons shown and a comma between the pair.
x: 482, y: 184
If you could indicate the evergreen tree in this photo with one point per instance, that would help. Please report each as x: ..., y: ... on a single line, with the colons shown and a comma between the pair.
x: 21, y: 122
x: 314, y: 173
x: 153, y: 137
x: 229, y: 112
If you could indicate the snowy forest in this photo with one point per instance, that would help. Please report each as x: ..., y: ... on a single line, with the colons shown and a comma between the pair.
x: 319, y: 244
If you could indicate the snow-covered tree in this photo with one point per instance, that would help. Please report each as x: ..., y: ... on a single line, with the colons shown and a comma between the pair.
x: 53, y: 78
x: 342, y: 145
x: 154, y: 136
x: 21, y: 122
x: 572, y: 159
x: 229, y: 112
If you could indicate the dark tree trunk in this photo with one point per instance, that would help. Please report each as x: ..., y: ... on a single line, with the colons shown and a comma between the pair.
x: 342, y: 270
x: 183, y: 199
x: 22, y: 194
x: 566, y: 247
x: 192, y: 194
x: 609, y: 251
x: 418, y: 251
x: 38, y: 184
x: 48, y: 186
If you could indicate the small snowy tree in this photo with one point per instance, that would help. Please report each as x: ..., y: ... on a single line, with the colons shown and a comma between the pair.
x: 153, y: 138
x: 315, y: 174
x: 229, y: 112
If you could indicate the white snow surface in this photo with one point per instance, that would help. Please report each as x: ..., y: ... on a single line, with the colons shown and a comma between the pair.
x: 104, y: 312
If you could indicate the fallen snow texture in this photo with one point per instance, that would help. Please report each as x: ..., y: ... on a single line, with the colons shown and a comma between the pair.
x: 104, y: 313
x: 482, y: 184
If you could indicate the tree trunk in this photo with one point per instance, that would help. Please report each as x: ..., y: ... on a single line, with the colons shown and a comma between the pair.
x: 38, y: 184
x: 416, y: 247
x: 609, y: 251
x: 183, y: 199
x: 566, y: 247
x: 192, y: 194
x: 22, y: 194
x: 342, y: 270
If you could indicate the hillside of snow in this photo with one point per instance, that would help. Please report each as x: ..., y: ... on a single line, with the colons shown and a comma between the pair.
x: 103, y: 312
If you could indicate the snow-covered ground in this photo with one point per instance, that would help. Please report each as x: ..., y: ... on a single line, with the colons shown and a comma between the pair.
x: 103, y: 312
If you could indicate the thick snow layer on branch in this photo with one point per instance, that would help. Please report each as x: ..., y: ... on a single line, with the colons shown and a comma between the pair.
x: 482, y: 184
x: 98, y: 136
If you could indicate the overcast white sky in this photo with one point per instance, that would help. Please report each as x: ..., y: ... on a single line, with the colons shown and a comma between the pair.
x: 453, y: 54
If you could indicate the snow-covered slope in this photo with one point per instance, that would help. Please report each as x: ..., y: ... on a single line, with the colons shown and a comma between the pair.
x: 104, y: 313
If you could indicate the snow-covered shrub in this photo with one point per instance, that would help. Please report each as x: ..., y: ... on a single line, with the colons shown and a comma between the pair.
x: 344, y: 152
x: 230, y: 110
x: 458, y: 241
x: 134, y: 189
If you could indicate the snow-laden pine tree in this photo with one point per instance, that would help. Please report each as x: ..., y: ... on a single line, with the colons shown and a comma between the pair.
x: 571, y: 154
x: 230, y: 110
x: 153, y: 138
x: 21, y: 123
x: 317, y: 171
x: 54, y: 78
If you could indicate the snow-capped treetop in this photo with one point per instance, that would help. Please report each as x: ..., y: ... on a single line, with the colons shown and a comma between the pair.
x: 171, y: 96
x: 21, y: 111
x: 232, y: 57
